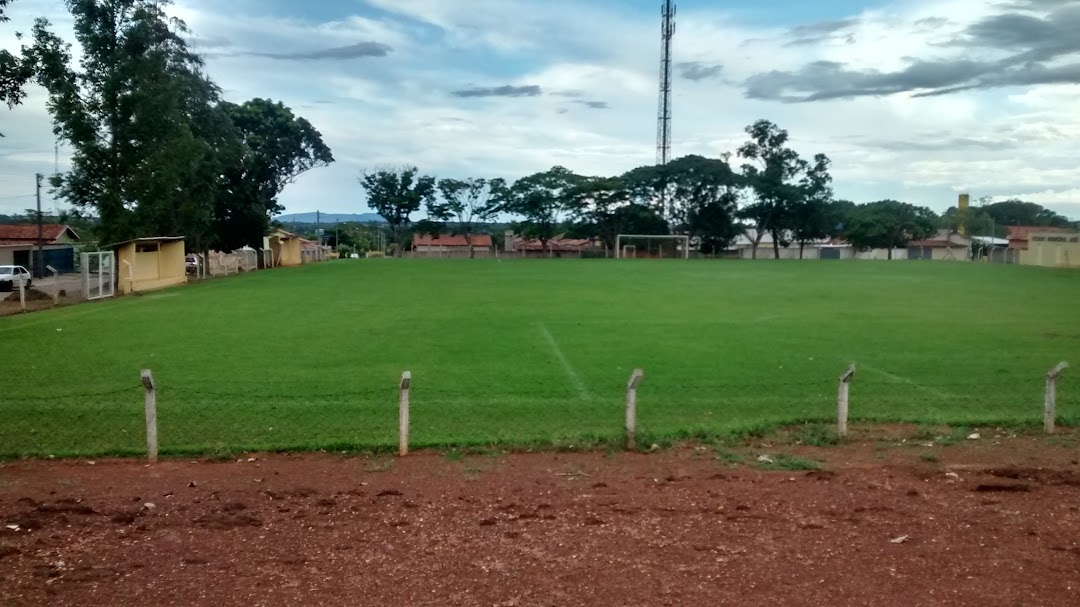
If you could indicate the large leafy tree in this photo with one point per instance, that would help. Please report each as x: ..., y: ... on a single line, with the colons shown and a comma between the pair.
x: 596, y: 207
x: 395, y: 194
x: 605, y: 207
x: 974, y: 221
x: 264, y: 147
x: 811, y: 215
x: 540, y: 200
x: 1020, y: 213
x: 15, y: 71
x: 704, y: 200
x: 128, y: 110
x: 698, y: 195
x: 840, y: 213
x: 772, y: 173
x: 888, y: 224
x: 466, y: 203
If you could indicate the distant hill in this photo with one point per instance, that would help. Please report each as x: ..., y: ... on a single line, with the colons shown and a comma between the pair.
x: 329, y: 218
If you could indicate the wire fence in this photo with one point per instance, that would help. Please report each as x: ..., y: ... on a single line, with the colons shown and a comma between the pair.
x: 223, y: 419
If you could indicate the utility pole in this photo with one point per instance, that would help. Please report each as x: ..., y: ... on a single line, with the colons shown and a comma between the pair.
x: 40, y: 265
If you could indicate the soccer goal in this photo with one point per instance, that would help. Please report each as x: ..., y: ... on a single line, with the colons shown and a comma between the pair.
x: 652, y: 246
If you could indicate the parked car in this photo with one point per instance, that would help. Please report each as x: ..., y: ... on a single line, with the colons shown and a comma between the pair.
x: 192, y: 264
x: 10, y: 276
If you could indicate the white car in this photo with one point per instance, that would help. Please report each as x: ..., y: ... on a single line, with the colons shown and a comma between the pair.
x: 10, y: 276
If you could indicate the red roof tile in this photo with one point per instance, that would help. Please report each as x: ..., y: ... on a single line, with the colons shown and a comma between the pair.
x: 445, y: 240
x: 1025, y: 232
x: 944, y: 239
x: 28, y: 232
x: 555, y: 245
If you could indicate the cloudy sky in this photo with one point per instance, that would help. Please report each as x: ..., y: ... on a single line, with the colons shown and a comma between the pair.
x: 916, y: 100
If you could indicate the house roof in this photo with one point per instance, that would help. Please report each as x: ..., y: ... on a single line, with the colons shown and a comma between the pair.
x: 447, y: 240
x: 944, y: 239
x: 282, y: 234
x: 746, y: 239
x: 561, y: 245
x: 990, y: 240
x: 20, y: 233
x: 1025, y: 232
x: 147, y: 239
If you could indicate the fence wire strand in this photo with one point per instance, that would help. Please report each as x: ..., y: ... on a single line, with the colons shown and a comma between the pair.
x: 199, y: 418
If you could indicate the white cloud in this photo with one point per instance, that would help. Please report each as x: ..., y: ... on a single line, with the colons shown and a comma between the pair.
x: 398, y: 109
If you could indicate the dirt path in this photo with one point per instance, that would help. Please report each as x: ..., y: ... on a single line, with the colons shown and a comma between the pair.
x: 984, y: 526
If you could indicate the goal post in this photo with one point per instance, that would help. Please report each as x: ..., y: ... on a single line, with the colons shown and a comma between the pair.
x: 630, y: 250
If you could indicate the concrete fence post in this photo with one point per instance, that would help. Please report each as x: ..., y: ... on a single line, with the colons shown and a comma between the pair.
x: 1050, y: 410
x: 56, y: 293
x: 631, y: 408
x: 842, y: 401
x: 151, y: 416
x: 403, y: 414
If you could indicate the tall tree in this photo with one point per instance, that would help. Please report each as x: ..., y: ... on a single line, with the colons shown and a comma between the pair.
x: 467, y: 203
x: 704, y: 200
x: 594, y: 205
x: 698, y: 195
x: 810, y: 217
x: 128, y: 113
x: 15, y: 71
x: 277, y: 147
x: 395, y: 194
x: 1020, y: 213
x: 974, y: 221
x: 540, y: 200
x: 772, y: 175
x: 889, y: 224
x: 840, y: 212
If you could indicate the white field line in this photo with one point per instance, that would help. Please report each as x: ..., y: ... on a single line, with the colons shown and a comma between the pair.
x: 906, y: 380
x: 571, y: 374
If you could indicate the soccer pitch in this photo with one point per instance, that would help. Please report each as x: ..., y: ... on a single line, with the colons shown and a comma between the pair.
x: 533, y: 353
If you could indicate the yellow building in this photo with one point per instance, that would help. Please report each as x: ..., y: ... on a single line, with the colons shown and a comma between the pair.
x: 285, y: 247
x: 145, y: 264
x: 1052, y: 250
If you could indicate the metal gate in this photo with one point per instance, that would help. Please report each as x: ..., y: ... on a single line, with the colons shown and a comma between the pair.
x: 99, y: 274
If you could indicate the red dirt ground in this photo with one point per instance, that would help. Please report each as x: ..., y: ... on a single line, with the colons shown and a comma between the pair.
x: 993, y: 523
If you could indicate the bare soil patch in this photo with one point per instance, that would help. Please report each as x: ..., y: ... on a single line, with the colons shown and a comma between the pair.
x: 876, y: 524
x: 35, y: 301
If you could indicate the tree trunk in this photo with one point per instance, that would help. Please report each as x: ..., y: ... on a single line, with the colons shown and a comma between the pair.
x: 802, y: 245
x: 468, y: 241
x: 758, y: 235
x: 775, y: 243
x: 890, y: 252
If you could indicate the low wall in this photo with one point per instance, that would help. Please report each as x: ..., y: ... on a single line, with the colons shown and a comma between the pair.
x: 478, y: 254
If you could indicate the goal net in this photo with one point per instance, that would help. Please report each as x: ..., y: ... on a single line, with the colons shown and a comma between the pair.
x: 99, y: 274
x: 652, y: 246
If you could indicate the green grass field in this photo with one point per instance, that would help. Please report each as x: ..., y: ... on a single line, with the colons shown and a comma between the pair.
x: 530, y: 353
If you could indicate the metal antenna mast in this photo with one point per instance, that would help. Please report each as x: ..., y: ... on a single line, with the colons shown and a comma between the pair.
x: 663, y: 129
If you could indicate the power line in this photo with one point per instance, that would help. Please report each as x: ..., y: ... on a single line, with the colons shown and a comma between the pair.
x: 17, y: 197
